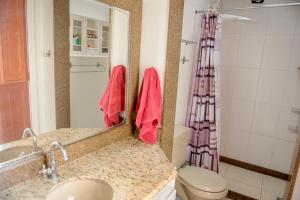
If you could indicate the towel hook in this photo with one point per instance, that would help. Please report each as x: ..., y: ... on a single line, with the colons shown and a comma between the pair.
x: 184, y: 60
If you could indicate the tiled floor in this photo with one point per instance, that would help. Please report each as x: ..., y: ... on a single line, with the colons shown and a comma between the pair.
x: 252, y: 184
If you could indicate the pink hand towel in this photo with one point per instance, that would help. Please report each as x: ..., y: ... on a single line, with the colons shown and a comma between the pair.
x: 149, y: 106
x: 113, y: 99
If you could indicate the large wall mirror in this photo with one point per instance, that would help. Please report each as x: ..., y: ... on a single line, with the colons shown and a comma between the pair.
x: 97, y: 78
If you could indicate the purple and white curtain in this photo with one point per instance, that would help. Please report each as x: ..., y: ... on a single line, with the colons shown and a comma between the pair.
x: 203, y: 111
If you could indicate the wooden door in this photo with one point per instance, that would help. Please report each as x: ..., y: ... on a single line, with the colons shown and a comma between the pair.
x: 294, y: 171
x: 14, y: 98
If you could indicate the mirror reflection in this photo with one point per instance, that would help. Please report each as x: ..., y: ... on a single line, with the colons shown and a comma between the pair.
x: 98, y: 74
x: 93, y: 24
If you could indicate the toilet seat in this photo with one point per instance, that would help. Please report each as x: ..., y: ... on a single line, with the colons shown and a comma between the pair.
x: 203, y: 179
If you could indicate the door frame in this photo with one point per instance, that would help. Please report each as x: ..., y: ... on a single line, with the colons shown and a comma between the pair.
x: 40, y: 46
x: 294, y: 172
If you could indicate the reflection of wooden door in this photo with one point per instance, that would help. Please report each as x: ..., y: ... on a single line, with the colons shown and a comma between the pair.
x: 14, y: 98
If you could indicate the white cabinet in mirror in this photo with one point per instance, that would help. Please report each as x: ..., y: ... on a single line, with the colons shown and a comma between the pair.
x: 98, y: 73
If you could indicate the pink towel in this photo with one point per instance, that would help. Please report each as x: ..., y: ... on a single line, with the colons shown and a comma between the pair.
x: 113, y: 99
x: 149, y: 106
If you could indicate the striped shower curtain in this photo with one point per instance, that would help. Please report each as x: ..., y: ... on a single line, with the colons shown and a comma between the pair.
x: 203, y: 110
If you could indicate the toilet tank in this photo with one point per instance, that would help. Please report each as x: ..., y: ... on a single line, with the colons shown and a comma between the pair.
x: 181, y: 136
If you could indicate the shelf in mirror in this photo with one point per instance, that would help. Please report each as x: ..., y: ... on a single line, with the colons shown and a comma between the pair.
x: 93, y: 56
x: 92, y: 29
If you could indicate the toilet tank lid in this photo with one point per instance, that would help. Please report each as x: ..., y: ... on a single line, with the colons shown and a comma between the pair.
x: 203, y: 179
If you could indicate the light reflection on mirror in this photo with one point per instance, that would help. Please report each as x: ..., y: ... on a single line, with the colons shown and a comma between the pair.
x: 99, y: 44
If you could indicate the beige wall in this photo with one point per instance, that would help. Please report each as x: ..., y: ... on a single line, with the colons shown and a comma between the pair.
x: 154, y: 37
x: 189, y: 32
x: 120, y: 30
x: 41, y: 67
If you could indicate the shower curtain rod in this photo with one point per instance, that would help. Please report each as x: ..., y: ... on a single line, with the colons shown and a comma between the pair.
x: 252, y: 7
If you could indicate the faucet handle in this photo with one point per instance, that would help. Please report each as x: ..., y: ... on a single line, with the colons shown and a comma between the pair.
x: 44, y: 171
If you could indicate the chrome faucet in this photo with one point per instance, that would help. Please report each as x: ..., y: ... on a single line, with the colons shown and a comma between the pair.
x: 51, y: 171
x: 29, y: 132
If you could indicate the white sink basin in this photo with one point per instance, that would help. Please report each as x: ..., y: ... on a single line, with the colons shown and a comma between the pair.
x: 83, y: 189
x: 15, y: 152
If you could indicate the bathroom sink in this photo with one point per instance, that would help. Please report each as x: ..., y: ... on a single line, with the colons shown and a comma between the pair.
x: 15, y: 152
x: 83, y: 189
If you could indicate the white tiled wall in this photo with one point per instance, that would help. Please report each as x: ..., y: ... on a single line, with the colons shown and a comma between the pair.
x: 259, y: 85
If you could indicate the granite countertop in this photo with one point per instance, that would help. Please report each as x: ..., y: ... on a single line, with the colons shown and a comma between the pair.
x: 136, y: 171
x: 64, y: 135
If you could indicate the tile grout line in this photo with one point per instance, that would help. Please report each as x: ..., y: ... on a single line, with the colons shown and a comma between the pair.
x: 245, y: 184
x: 252, y: 186
x: 261, y: 188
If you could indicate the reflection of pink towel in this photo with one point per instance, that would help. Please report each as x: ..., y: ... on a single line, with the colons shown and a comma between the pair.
x: 149, y: 106
x: 113, y: 99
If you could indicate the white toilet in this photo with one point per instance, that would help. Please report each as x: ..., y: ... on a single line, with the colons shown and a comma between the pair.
x: 194, y: 183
